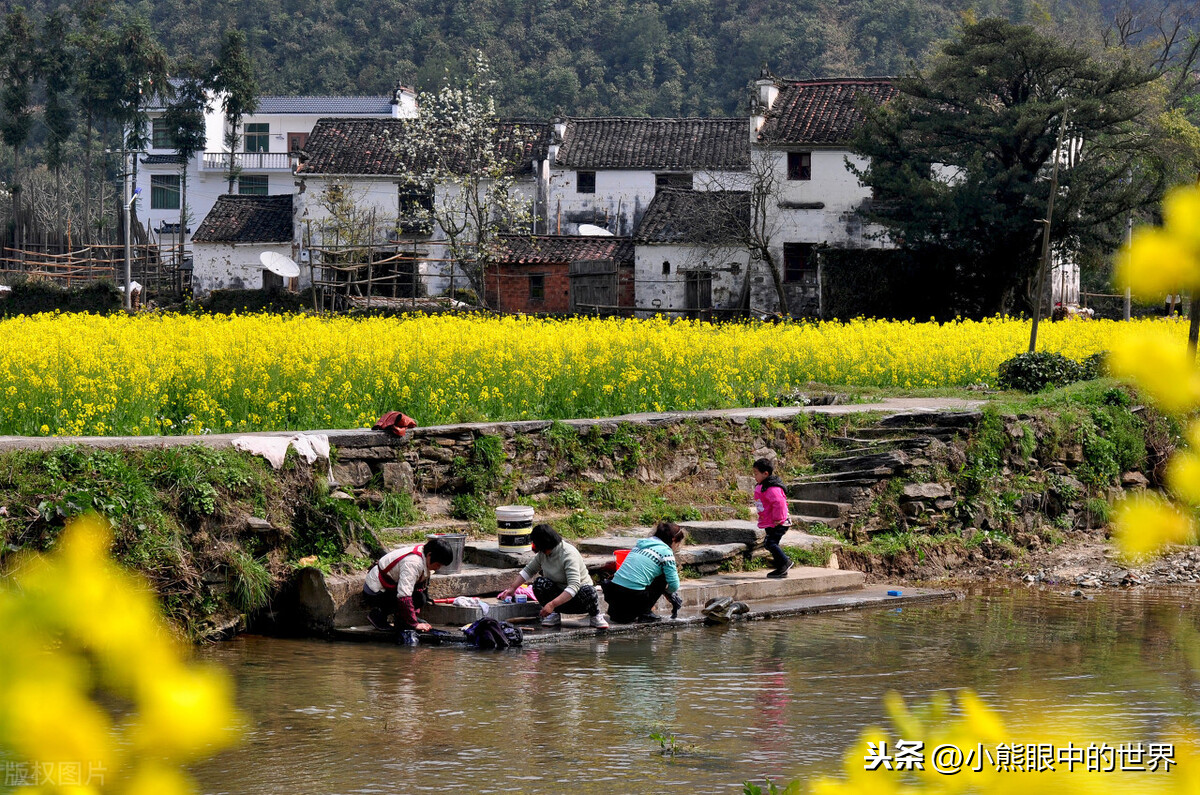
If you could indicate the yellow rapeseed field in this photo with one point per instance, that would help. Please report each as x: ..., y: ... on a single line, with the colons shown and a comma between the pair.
x: 151, y: 374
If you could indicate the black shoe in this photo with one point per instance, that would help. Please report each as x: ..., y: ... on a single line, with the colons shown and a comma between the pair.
x: 379, y: 620
x: 782, y: 571
x: 649, y: 617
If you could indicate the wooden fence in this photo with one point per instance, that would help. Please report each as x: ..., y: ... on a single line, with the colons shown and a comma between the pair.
x: 156, y: 270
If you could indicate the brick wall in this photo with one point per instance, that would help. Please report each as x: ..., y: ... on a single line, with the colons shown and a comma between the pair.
x: 508, y: 288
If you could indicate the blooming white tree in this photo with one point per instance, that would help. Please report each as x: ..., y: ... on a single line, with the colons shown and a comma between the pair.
x: 462, y: 165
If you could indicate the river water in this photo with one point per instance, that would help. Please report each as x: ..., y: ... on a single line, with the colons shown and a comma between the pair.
x: 781, y: 698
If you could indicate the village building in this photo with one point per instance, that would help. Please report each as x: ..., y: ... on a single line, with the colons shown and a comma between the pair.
x: 690, y: 257
x: 229, y: 242
x: 801, y: 132
x: 355, y: 190
x: 561, y: 274
x: 268, y: 143
x: 605, y: 171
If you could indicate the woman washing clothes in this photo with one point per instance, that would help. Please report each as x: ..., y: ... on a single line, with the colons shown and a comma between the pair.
x: 648, y: 573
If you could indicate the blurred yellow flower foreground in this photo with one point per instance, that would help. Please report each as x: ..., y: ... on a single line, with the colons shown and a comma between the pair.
x: 972, y: 750
x: 1159, y: 261
x: 78, y: 636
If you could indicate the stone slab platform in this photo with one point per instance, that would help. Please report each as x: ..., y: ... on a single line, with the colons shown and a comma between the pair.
x: 576, y: 628
x: 455, y: 615
x: 752, y: 586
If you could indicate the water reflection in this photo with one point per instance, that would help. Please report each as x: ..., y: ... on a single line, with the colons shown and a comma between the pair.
x: 781, y: 698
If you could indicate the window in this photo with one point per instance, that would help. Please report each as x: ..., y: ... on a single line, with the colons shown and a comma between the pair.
x: 585, y: 182
x: 698, y: 290
x: 160, y: 135
x: 258, y: 137
x: 799, y: 165
x: 666, y: 269
x: 164, y: 191
x: 415, y: 207
x: 799, y: 264
x: 537, y: 287
x: 252, y: 184
x: 296, y: 141
x: 679, y: 181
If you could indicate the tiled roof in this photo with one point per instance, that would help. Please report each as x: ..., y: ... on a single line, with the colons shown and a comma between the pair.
x: 331, y: 106
x: 559, y: 249
x: 822, y: 111
x: 695, y: 216
x: 247, y: 219
x: 367, y: 146
x: 667, y: 144
x: 162, y: 160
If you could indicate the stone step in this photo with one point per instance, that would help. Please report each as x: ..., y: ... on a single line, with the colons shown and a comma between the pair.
x: 830, y: 490
x: 867, y: 475
x: 484, y: 552
x: 705, y: 531
x: 471, y: 581
x: 724, y: 531
x: 933, y: 419
x: 752, y: 586
x: 890, y: 434
x: 800, y: 520
x: 798, y: 538
x: 833, y: 510
x: 890, y: 460
x: 605, y: 545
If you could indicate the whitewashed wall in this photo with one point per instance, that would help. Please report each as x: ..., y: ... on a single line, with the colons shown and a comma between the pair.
x: 383, y: 195
x: 656, y: 292
x: 620, y: 200
x: 221, y: 266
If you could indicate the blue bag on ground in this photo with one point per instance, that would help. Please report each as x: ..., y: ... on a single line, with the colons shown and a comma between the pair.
x: 488, y: 633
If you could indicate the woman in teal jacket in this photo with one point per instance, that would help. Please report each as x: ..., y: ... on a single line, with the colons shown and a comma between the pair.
x: 648, y: 573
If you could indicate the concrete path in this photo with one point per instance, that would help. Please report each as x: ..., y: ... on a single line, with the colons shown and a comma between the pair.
x: 576, y: 628
x: 360, y: 437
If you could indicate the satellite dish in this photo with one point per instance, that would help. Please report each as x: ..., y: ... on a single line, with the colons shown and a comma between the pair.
x: 278, y: 264
x: 591, y: 230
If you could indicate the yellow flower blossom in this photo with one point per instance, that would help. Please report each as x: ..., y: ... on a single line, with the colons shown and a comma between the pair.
x: 1147, y: 523
x: 79, y: 634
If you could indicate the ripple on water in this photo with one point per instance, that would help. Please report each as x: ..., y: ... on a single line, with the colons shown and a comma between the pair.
x: 779, y: 699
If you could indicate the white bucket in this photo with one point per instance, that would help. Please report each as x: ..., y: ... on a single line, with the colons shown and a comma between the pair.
x: 513, y: 526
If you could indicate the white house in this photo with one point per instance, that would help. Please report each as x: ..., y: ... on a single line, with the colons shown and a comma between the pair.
x: 358, y: 161
x: 268, y: 142
x: 690, y: 257
x: 606, y: 171
x: 227, y: 244
x: 801, y: 132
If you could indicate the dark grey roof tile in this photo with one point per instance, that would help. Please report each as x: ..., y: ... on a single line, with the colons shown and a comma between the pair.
x: 247, y: 219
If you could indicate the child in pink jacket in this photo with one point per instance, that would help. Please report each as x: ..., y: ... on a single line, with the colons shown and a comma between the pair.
x: 771, y: 502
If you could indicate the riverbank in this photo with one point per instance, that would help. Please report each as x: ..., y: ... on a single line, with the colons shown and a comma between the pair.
x: 891, y: 487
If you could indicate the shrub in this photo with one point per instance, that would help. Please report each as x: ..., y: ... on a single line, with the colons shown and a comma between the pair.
x: 1095, y: 366
x: 1033, y: 372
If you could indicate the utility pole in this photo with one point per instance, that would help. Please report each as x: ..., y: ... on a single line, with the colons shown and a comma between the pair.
x: 1044, y: 266
x: 1128, y: 240
x: 128, y: 303
x: 128, y: 210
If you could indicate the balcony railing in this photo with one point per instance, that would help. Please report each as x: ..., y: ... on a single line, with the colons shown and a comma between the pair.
x: 247, y: 161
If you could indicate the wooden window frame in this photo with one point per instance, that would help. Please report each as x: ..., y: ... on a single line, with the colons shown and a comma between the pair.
x: 799, y: 166
x: 260, y: 135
